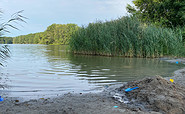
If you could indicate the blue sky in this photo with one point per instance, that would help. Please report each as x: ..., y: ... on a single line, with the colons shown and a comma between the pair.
x: 42, y: 13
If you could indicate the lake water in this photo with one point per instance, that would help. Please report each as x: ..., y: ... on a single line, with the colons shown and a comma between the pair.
x: 36, y: 71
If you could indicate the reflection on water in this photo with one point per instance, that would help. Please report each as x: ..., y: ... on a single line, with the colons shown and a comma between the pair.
x: 43, y: 71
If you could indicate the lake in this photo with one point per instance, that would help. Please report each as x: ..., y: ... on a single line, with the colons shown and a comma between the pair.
x: 36, y: 71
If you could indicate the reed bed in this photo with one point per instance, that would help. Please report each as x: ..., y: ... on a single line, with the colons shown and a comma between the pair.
x: 127, y: 37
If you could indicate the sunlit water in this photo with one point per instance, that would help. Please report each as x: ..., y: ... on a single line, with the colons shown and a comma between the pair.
x: 36, y: 71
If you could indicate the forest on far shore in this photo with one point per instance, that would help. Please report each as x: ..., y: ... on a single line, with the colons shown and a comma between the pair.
x: 54, y: 34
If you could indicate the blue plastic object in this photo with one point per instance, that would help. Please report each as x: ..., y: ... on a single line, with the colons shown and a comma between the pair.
x: 1, y: 99
x: 130, y: 89
x: 115, y: 106
x: 177, y: 62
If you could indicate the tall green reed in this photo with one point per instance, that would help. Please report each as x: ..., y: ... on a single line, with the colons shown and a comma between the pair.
x: 128, y: 37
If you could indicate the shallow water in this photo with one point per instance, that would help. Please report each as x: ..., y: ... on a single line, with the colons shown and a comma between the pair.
x: 36, y: 71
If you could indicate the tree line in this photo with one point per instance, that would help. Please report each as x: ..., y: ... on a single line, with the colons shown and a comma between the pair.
x: 6, y: 40
x: 54, y: 34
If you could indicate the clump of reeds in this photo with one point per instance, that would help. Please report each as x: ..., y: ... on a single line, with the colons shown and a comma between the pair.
x: 126, y: 37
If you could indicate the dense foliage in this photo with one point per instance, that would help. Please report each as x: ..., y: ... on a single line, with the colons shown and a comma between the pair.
x: 6, y: 40
x: 126, y: 37
x: 169, y: 13
x: 55, y: 34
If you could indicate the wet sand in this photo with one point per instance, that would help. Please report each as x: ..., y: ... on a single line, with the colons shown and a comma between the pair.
x: 90, y: 103
x: 100, y: 103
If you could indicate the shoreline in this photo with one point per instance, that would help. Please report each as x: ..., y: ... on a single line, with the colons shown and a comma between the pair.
x: 92, y: 103
x: 178, y: 74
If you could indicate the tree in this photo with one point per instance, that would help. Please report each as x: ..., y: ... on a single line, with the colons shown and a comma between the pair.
x: 168, y: 13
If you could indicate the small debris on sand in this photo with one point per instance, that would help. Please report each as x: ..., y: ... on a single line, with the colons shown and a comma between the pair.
x: 156, y: 94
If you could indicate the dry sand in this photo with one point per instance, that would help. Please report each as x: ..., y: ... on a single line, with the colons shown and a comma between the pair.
x: 155, y: 95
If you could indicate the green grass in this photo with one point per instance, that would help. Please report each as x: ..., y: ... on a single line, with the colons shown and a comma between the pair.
x: 126, y: 37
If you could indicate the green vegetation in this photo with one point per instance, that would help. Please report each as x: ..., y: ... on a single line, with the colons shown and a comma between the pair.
x: 55, y: 34
x: 4, y: 26
x: 126, y: 37
x: 165, y: 13
x: 168, y: 13
x: 6, y: 40
x: 4, y: 53
x: 154, y: 29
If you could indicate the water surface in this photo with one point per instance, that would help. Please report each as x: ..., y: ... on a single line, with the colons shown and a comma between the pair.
x: 35, y: 71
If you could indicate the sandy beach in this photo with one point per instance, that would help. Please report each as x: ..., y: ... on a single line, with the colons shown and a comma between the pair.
x: 155, y: 95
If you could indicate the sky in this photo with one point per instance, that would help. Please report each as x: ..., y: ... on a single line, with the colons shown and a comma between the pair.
x: 42, y: 13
